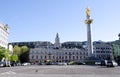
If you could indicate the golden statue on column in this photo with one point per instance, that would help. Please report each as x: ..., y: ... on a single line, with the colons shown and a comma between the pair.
x: 88, y: 20
x: 88, y: 11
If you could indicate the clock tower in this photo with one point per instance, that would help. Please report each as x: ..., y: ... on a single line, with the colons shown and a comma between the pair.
x: 57, y: 41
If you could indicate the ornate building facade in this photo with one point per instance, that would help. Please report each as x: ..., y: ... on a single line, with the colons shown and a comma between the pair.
x: 56, y: 53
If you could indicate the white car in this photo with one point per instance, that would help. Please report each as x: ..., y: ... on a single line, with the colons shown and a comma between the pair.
x: 115, y: 64
x: 25, y: 64
x: 62, y: 63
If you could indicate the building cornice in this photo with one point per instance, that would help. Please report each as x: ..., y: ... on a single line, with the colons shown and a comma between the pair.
x: 4, y: 28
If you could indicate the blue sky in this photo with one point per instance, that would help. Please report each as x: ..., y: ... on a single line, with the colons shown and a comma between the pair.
x: 40, y: 20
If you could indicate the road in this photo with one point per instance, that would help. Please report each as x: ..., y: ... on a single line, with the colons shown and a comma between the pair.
x: 59, y: 71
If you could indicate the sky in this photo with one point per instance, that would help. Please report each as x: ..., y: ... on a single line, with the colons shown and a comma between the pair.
x: 41, y: 20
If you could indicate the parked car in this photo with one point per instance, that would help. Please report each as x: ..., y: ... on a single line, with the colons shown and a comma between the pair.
x: 25, y: 64
x: 62, y: 63
x: 5, y: 64
x: 18, y: 64
x: 41, y: 63
x: 2, y: 64
x: 103, y: 63
x: 98, y: 63
x: 13, y: 64
x: 111, y: 63
x: 80, y: 63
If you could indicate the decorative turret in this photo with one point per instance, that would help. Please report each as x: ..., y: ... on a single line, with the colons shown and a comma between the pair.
x: 57, y: 42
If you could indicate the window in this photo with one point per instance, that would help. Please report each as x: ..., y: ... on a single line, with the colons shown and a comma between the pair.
x: 69, y: 53
x: 80, y: 53
x: 49, y: 57
x: 76, y: 53
x: 73, y: 53
x: 53, y: 57
x: 45, y: 57
x: 80, y: 57
x: 41, y: 57
x: 37, y: 57
x: 84, y: 53
x: 32, y: 57
x: 66, y: 53
x: 59, y: 57
x: 76, y: 57
x: 73, y: 57
x: 62, y: 57
x: 97, y: 51
x: 69, y: 57
x: 65, y: 57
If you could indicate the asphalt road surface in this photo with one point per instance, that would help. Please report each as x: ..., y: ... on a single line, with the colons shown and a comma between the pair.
x: 59, y: 71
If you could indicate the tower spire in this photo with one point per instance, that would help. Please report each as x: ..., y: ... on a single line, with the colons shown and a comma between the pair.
x: 57, y: 36
x: 57, y: 41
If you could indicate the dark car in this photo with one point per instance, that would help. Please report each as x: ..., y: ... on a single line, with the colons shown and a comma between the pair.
x: 2, y: 64
x: 111, y: 63
x: 13, y: 63
x: 103, y: 63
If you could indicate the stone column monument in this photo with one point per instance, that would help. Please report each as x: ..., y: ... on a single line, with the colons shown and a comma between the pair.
x: 88, y: 21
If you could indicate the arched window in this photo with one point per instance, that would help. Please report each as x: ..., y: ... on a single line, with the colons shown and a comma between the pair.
x: 80, y: 53
x: 69, y: 57
x: 53, y: 57
x: 66, y: 53
x: 73, y: 57
x: 45, y: 57
x: 49, y: 57
x: 41, y: 57
x: 73, y: 53
x: 76, y: 53
x: 69, y: 53
x: 65, y: 57
x: 76, y: 57
x: 59, y: 57
x: 36, y: 56
x: 32, y: 57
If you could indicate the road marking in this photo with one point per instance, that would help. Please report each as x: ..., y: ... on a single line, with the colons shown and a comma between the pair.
x: 9, y: 72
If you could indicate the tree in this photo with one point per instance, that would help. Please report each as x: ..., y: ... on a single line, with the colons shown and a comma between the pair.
x: 14, y: 58
x: 21, y: 52
x: 24, y: 49
x: 4, y: 53
x: 24, y: 56
x: 16, y: 50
